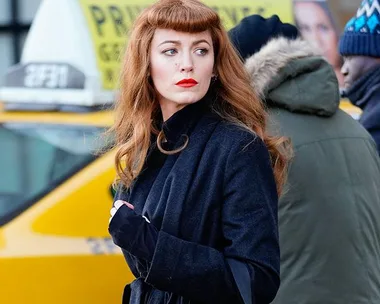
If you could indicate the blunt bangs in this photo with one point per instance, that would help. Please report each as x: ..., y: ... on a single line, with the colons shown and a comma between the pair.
x: 188, y: 16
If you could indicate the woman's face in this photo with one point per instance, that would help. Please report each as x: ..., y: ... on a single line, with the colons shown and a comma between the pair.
x: 315, y: 27
x: 181, y: 67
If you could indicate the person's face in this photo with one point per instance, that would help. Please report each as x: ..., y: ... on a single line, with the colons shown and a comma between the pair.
x: 315, y: 27
x: 355, y: 67
x: 181, y: 67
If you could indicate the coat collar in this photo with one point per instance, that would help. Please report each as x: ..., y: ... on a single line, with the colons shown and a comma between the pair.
x: 182, y: 122
x: 363, y: 90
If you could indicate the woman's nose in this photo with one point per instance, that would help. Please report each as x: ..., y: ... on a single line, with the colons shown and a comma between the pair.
x: 187, y: 64
x: 187, y: 69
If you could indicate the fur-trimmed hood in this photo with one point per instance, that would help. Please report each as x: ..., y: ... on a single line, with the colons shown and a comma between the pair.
x: 292, y: 75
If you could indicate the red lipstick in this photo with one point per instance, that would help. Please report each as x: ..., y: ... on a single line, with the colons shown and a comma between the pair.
x: 187, y: 83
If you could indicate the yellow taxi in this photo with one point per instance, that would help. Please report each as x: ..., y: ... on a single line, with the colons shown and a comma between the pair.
x: 54, y: 208
x: 55, y: 189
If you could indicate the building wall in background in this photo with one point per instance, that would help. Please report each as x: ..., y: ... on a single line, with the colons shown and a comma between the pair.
x: 5, y: 38
x: 15, y: 19
x: 4, y: 8
x: 27, y: 9
x: 344, y: 10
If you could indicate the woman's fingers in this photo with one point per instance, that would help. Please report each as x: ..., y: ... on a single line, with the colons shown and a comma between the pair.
x: 113, y: 211
x: 130, y: 206
x: 117, y: 205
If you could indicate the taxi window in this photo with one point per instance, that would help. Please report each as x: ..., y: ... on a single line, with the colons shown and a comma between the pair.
x: 34, y: 159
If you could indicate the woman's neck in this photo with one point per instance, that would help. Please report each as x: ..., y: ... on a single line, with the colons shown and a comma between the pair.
x: 169, y: 108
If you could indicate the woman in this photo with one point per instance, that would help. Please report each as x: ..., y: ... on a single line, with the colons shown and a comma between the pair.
x: 317, y: 25
x: 196, y: 215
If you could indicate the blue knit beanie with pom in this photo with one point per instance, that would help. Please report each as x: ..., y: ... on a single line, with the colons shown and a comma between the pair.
x: 361, y: 35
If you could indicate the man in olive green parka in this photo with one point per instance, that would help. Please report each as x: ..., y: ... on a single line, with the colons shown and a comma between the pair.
x: 329, y: 215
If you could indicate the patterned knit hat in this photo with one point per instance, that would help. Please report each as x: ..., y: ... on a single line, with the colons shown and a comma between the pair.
x: 362, y: 33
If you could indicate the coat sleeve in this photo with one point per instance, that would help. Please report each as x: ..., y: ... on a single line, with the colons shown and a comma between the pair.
x: 249, y: 219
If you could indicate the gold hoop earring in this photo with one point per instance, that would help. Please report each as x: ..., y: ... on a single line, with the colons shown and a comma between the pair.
x: 161, y: 139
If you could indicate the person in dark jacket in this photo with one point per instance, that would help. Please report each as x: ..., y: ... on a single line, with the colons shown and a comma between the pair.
x: 196, y: 210
x: 360, y: 47
x: 328, y: 215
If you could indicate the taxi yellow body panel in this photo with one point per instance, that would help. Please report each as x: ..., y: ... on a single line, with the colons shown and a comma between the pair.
x: 63, y: 279
x: 87, y: 194
x: 348, y: 107
x: 2, y: 240
x: 59, y: 250
x: 99, y: 118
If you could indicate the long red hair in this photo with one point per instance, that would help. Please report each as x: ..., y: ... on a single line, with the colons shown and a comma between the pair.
x: 137, y: 107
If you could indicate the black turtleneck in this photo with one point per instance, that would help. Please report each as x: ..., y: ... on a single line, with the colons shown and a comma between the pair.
x: 182, y: 122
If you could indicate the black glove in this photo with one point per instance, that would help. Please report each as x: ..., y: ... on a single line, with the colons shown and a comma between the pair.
x: 133, y: 233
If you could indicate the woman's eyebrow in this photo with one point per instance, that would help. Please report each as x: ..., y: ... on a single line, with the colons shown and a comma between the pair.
x: 170, y: 41
x: 200, y: 41
x: 179, y: 42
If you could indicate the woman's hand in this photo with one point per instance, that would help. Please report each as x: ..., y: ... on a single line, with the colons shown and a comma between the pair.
x: 116, y: 207
x: 131, y: 231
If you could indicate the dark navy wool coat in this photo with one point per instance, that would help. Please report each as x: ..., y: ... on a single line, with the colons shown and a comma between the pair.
x: 215, y: 200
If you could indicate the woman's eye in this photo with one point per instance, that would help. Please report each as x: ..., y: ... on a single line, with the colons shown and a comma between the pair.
x: 170, y: 52
x: 201, y: 51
